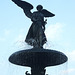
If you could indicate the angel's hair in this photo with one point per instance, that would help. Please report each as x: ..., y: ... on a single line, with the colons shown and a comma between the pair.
x: 39, y: 7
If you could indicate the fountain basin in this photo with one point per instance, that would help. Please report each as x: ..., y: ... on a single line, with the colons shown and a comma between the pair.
x: 38, y: 57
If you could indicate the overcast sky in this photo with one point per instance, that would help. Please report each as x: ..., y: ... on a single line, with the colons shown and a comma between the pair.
x: 60, y: 33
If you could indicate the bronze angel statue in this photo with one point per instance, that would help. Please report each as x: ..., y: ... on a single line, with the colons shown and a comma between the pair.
x: 36, y: 36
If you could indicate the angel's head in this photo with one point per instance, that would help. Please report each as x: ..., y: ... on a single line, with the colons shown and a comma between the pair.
x: 39, y: 7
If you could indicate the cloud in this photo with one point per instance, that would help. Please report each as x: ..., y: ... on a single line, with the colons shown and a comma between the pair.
x: 71, y: 55
x: 68, y: 71
x: 54, y: 31
x: 7, y: 32
x: 19, y: 41
x: 2, y: 39
x: 71, y: 63
x: 20, y: 37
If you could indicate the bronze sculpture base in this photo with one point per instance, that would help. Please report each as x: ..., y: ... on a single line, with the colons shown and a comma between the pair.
x: 38, y: 59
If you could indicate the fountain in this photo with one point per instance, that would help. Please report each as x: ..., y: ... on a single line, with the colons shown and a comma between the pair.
x: 36, y: 58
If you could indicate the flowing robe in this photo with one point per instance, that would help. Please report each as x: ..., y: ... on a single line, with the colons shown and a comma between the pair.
x: 36, y: 35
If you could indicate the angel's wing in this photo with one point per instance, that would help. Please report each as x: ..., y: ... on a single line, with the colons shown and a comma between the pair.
x: 47, y: 13
x: 25, y: 6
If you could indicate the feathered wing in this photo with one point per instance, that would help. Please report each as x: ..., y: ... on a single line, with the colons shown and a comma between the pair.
x: 25, y: 6
x: 46, y: 13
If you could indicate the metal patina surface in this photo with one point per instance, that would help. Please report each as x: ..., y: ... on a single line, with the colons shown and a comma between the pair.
x: 38, y: 57
x: 36, y: 35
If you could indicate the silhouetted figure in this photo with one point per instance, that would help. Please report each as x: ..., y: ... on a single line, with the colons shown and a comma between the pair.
x: 36, y: 36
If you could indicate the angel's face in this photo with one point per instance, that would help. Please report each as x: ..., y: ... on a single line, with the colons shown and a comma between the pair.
x: 39, y: 7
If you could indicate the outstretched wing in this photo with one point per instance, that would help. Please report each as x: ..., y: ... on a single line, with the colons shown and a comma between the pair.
x: 25, y: 6
x: 47, y: 13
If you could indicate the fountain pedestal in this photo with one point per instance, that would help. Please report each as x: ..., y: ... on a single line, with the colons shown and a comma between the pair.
x: 38, y: 59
